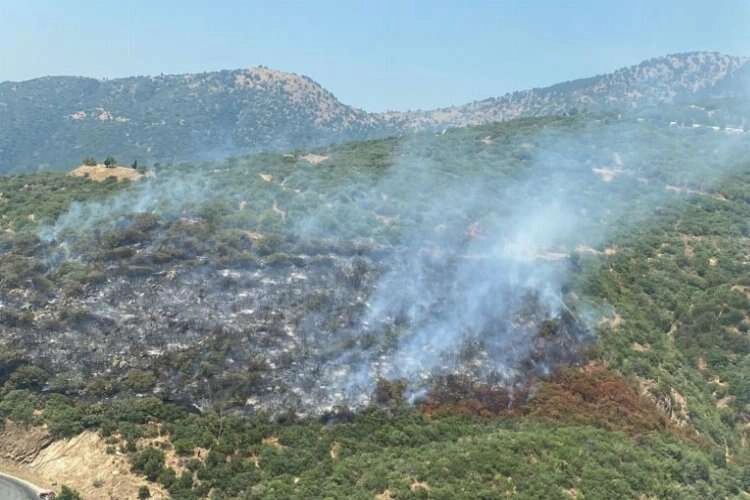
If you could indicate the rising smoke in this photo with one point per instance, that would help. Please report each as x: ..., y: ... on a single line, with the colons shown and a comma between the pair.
x: 484, y: 270
x: 480, y: 228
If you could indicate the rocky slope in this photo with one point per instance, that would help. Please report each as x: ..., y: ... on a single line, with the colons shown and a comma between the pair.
x: 82, y: 462
x: 55, y: 121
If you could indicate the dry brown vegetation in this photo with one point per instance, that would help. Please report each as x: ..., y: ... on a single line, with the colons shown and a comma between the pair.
x: 598, y: 396
x: 591, y: 395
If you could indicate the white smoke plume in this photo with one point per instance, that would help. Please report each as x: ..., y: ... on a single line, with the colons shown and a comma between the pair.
x: 482, y: 228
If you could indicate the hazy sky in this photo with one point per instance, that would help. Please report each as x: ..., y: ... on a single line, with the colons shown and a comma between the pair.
x: 378, y: 54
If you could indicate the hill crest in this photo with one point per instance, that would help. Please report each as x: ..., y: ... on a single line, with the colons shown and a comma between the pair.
x: 52, y: 122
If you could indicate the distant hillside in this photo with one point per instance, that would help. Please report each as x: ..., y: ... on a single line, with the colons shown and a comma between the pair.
x: 53, y: 122
x: 670, y: 79
x: 56, y: 121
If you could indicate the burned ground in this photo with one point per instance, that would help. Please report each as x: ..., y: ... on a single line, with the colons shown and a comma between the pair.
x: 259, y: 329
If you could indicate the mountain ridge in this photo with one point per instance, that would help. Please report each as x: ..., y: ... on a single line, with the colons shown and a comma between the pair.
x: 53, y: 121
x: 516, y: 104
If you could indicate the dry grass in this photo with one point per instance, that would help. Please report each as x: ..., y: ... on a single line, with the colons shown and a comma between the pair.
x: 335, y: 450
x: 640, y: 347
x: 419, y: 485
x: 100, y: 173
x: 273, y: 442
x: 613, y: 323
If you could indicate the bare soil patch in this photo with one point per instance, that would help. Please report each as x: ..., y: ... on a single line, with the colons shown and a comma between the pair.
x: 100, y: 173
x: 313, y: 158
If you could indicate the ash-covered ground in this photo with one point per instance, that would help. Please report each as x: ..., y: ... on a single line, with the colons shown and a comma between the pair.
x: 295, y: 329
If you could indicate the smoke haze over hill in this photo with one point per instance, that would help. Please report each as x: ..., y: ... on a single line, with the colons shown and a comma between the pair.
x: 52, y: 122
x: 463, y: 247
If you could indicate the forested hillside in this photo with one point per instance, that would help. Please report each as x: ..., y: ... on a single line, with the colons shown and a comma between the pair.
x: 548, y: 307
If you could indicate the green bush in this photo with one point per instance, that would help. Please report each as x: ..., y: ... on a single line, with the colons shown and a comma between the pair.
x: 67, y: 493
x: 150, y: 463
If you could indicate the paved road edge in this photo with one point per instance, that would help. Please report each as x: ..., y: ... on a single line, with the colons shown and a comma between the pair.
x: 33, y: 489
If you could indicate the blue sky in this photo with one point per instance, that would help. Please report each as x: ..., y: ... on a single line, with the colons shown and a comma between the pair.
x: 376, y: 55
